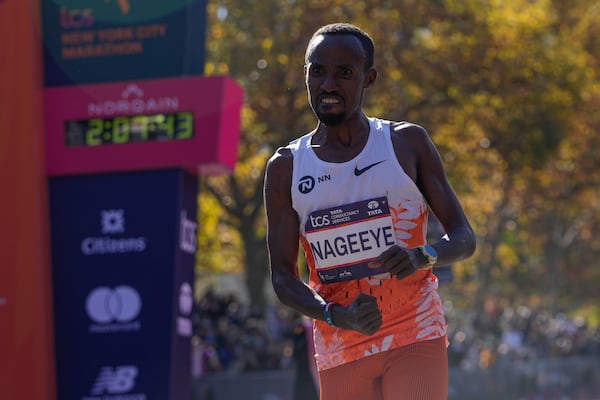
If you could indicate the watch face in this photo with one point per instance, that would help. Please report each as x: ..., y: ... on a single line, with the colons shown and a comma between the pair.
x: 431, y: 253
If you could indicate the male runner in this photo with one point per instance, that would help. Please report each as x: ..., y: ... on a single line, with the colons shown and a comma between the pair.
x: 356, y: 192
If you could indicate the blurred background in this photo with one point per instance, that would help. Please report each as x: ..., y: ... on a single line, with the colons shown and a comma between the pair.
x: 509, y: 92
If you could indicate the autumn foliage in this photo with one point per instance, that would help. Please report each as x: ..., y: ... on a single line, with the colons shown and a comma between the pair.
x: 509, y: 92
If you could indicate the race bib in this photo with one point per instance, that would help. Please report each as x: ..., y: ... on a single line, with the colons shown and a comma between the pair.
x: 346, y: 238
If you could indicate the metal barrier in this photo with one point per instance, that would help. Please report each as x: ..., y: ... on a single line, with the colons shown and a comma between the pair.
x: 262, y: 385
x: 576, y: 378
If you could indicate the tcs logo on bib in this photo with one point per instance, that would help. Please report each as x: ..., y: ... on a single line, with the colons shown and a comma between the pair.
x: 319, y: 221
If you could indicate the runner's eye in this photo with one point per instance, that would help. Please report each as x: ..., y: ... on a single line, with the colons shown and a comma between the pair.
x: 315, y: 70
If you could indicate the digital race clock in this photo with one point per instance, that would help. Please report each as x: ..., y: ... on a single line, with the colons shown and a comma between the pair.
x: 128, y: 129
x: 188, y: 122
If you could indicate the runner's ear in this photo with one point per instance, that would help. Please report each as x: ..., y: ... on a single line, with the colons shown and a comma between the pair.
x: 371, y: 77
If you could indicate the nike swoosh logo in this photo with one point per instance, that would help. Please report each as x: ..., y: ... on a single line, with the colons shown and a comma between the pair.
x: 361, y: 171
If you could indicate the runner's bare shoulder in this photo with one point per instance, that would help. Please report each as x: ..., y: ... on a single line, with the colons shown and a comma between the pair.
x: 408, y: 131
x: 279, y: 167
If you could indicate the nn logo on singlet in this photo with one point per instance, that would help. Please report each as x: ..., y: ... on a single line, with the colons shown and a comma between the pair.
x: 307, y: 183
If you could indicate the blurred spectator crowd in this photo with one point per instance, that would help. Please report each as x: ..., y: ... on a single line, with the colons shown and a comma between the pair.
x: 231, y: 337
x: 504, y: 334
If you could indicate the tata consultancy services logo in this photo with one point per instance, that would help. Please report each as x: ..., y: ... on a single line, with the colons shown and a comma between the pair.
x: 112, y: 226
x: 113, y: 310
x: 187, y: 233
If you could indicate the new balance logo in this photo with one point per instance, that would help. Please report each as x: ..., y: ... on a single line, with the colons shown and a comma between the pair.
x: 118, y: 380
x: 360, y: 171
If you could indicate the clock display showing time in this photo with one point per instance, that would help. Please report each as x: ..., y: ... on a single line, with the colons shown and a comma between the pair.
x: 129, y: 129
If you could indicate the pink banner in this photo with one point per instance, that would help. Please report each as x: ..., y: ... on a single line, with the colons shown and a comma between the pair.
x: 190, y: 122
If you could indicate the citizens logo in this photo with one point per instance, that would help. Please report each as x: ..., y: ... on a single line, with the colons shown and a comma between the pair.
x: 112, y: 222
x: 113, y: 310
x: 186, y: 302
x: 116, y: 383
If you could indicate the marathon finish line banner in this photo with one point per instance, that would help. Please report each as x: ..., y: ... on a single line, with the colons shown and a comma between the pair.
x: 123, y: 256
x: 93, y: 41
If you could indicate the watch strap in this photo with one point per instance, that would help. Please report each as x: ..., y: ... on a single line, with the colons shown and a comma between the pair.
x: 327, y: 313
x: 430, y: 259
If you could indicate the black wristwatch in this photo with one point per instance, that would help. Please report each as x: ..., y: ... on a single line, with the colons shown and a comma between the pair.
x: 429, y: 253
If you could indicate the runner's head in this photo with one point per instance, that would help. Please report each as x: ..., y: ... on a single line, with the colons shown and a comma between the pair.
x: 338, y: 68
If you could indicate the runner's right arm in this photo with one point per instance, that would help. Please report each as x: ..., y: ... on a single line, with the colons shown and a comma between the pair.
x: 283, y: 245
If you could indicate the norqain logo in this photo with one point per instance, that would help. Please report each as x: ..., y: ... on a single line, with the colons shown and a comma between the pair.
x: 112, y: 222
x: 133, y: 101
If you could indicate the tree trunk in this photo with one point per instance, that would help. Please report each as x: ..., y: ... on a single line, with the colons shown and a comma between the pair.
x: 256, y: 267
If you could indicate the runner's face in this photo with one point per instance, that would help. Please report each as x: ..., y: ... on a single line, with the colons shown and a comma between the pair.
x: 336, y: 78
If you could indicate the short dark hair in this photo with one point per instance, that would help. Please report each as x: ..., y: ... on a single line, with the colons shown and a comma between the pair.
x: 343, y: 28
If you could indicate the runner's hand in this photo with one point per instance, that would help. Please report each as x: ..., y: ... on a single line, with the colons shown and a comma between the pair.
x: 363, y: 315
x: 397, y: 261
